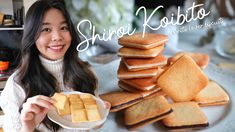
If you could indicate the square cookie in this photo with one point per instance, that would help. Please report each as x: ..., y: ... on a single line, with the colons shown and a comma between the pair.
x: 185, y: 115
x: 182, y: 80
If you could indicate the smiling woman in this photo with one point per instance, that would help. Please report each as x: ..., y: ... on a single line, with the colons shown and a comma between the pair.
x: 49, y: 64
x: 54, y: 39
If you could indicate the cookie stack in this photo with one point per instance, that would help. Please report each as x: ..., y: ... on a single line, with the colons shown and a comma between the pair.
x: 182, y: 83
x: 141, y: 61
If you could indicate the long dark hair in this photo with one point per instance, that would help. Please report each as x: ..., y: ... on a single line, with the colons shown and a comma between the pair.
x: 33, y: 77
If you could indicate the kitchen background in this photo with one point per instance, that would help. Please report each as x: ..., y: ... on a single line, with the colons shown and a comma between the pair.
x: 216, y: 39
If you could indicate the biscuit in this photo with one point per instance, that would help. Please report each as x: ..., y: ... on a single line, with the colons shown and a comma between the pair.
x: 64, y: 111
x: 60, y: 99
x: 123, y: 72
x: 135, y: 64
x: 71, y: 101
x: 213, y: 94
x: 79, y: 115
x: 84, y: 106
x: 140, y: 53
x: 93, y: 114
x: 120, y: 99
x: 88, y: 101
x: 86, y: 96
x: 185, y: 115
x: 61, y: 104
x: 182, y: 80
x: 158, y: 93
x: 149, y: 40
x: 74, y: 98
x: 90, y: 106
x: 201, y: 59
x: 74, y: 106
x: 132, y: 89
x: 142, y: 83
x: 147, y: 111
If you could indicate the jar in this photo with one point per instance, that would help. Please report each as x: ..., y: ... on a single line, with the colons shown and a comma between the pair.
x: 4, y: 65
x: 225, y: 39
x: 5, y: 57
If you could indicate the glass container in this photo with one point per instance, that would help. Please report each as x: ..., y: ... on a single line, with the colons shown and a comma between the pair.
x: 225, y: 39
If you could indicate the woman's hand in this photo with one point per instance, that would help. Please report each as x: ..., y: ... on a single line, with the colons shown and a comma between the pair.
x: 34, y: 111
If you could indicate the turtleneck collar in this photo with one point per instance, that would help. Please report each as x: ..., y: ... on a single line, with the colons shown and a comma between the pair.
x: 53, y: 66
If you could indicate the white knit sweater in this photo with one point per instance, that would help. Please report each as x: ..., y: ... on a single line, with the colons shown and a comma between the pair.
x: 13, y: 95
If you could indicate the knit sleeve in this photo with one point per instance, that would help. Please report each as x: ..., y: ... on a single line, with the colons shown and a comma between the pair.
x: 11, y: 99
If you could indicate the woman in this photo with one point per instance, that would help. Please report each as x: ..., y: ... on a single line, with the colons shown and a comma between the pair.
x: 49, y: 64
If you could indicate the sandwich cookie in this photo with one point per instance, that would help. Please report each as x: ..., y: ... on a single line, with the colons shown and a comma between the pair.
x: 135, y: 64
x: 182, y: 80
x: 149, y: 40
x: 123, y: 72
x: 120, y: 99
x: 213, y: 94
x: 142, y: 83
x: 201, y: 59
x: 132, y: 89
x: 127, y: 52
x: 147, y: 111
x: 185, y: 115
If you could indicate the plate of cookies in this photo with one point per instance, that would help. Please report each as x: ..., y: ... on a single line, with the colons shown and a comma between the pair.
x: 153, y: 92
x: 76, y: 110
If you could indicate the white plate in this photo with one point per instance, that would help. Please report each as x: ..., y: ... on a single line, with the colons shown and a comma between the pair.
x: 65, y: 121
x: 221, y: 118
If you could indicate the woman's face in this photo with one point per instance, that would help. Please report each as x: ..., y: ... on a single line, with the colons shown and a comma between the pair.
x: 54, y: 39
